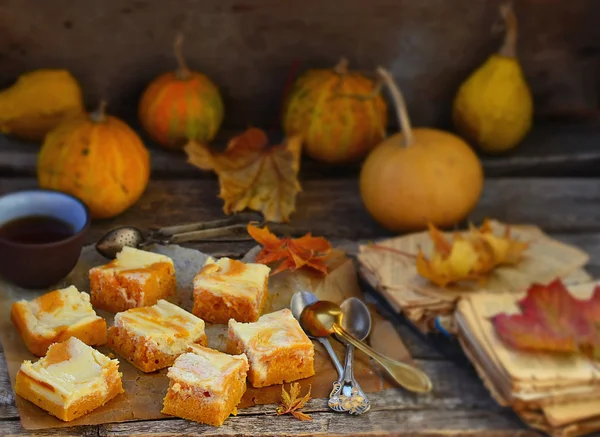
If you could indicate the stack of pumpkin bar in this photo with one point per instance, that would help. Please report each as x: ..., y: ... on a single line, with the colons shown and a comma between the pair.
x: 558, y: 393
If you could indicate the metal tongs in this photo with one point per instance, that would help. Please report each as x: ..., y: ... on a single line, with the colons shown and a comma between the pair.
x: 233, y: 228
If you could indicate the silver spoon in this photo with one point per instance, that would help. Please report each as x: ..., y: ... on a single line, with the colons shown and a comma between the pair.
x: 324, y: 318
x: 357, y: 321
x: 234, y: 228
x: 300, y: 300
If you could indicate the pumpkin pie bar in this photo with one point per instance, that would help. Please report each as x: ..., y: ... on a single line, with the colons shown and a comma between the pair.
x: 277, y: 348
x: 205, y: 385
x: 70, y: 381
x: 57, y: 316
x: 230, y: 289
x: 136, y: 278
x: 152, y: 337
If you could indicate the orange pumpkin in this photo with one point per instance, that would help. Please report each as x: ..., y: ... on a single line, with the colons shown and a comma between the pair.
x: 180, y: 106
x: 339, y: 113
x: 98, y: 159
x: 419, y: 176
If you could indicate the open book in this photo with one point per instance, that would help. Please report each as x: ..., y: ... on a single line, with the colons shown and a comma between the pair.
x: 390, y: 267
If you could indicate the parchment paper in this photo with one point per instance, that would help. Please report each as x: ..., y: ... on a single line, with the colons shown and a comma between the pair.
x: 395, y: 275
x: 144, y: 393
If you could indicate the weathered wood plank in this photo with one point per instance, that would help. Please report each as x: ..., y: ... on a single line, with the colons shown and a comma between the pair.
x: 8, y: 409
x: 462, y: 391
x: 478, y: 423
x: 374, y: 423
x: 551, y: 150
x: 13, y: 428
x: 556, y: 150
x: 333, y: 208
x: 556, y: 205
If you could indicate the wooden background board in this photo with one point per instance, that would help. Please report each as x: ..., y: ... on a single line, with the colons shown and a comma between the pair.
x: 115, y: 47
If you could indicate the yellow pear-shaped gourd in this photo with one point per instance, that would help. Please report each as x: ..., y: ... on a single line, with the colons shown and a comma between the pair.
x: 37, y: 102
x: 419, y: 176
x: 493, y: 108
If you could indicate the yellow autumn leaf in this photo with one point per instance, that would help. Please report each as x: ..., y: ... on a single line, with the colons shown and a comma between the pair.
x: 470, y: 256
x: 252, y: 174
x: 291, y: 403
x: 507, y: 251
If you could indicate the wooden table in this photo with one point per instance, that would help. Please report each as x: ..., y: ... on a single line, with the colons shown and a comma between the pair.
x: 538, y: 185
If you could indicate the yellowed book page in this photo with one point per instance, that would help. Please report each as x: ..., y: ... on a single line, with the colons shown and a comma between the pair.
x: 500, y: 390
x: 577, y: 277
x: 392, y: 262
x: 472, y: 330
x: 534, y: 395
x: 529, y: 366
x: 560, y: 415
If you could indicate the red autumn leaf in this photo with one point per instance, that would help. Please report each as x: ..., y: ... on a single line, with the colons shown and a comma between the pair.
x: 293, y: 253
x: 552, y: 320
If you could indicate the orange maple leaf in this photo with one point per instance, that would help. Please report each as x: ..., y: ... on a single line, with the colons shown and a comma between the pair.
x: 470, y: 256
x: 553, y: 320
x: 253, y: 175
x: 291, y: 253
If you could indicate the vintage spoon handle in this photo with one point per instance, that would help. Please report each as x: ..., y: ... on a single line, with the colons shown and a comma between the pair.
x: 357, y: 402
x: 232, y: 232
x: 337, y: 385
x: 226, y: 229
x: 409, y: 377
x: 242, y: 218
x: 336, y: 362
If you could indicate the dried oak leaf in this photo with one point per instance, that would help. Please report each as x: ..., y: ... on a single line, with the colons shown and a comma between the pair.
x: 470, y: 256
x: 291, y: 253
x: 253, y: 175
x: 291, y: 404
x: 552, y: 320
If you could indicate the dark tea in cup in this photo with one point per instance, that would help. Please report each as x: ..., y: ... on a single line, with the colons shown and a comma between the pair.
x: 36, y: 229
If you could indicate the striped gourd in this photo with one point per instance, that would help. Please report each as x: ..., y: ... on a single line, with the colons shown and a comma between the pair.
x: 339, y: 113
x: 180, y: 106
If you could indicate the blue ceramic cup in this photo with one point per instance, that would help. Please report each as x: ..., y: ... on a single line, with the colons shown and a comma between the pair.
x: 41, y: 264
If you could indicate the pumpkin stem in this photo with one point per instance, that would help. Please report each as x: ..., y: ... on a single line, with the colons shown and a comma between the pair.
x: 509, y: 47
x: 183, y: 72
x: 99, y: 115
x: 401, y: 111
x: 341, y: 67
